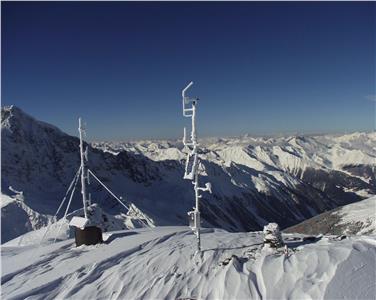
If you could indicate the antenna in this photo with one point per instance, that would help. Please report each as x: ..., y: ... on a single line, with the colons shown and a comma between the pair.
x: 88, y: 230
x: 192, y: 161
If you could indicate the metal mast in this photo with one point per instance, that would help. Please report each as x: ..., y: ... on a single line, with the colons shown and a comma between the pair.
x: 191, y: 166
x: 87, y: 231
x: 83, y: 168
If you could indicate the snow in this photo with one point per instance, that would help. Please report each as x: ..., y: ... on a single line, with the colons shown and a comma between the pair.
x: 79, y: 222
x: 261, y: 153
x: 255, y: 180
x: 5, y: 200
x: 272, y: 235
x: 362, y: 213
x: 355, y: 276
x: 160, y: 263
x: 352, y: 219
x: 60, y: 229
x: 17, y: 217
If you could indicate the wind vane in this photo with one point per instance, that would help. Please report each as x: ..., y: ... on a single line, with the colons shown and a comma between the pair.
x: 192, y: 163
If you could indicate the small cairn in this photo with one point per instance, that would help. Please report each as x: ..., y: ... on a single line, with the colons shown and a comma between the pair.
x: 272, y: 236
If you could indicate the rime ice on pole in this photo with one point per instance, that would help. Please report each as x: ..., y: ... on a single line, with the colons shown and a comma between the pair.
x: 192, y: 163
x: 87, y: 230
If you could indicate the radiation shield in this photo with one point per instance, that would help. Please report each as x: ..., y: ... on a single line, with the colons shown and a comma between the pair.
x: 190, y: 166
x: 194, y: 219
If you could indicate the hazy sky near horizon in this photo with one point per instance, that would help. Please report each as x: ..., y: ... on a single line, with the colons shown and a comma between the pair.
x: 258, y: 67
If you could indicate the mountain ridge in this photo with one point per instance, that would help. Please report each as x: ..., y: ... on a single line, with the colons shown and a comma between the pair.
x: 255, y: 180
x: 351, y: 219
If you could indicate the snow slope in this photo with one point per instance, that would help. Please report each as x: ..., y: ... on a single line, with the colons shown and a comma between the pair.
x: 356, y: 218
x: 17, y: 218
x: 255, y: 180
x: 60, y: 230
x: 362, y: 213
x: 20, y: 221
x: 160, y: 263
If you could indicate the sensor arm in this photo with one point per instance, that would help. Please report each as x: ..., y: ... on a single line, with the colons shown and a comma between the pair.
x: 186, y: 111
x: 185, y: 89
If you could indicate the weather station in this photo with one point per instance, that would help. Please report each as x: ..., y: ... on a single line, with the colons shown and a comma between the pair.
x: 87, y: 225
x: 192, y: 163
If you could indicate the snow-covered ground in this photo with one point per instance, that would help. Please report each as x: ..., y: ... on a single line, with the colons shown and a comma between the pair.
x: 160, y: 263
x: 59, y: 230
x: 29, y: 226
x: 362, y: 213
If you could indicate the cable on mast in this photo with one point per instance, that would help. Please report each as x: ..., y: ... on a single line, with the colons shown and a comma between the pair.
x: 113, y: 195
x: 73, y: 183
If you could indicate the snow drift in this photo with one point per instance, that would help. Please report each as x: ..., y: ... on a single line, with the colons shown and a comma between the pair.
x: 160, y: 263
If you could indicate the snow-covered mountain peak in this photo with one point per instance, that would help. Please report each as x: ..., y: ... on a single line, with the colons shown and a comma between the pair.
x: 16, y: 121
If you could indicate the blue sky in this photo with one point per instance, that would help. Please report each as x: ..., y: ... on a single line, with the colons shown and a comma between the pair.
x: 258, y: 67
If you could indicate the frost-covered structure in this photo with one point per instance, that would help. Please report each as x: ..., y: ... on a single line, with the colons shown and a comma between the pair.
x: 272, y: 236
x: 88, y: 229
x: 192, y: 163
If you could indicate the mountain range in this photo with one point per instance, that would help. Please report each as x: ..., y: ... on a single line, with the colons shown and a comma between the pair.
x: 255, y: 180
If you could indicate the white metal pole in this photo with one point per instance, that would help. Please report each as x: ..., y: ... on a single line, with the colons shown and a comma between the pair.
x: 83, y: 170
x: 197, y: 213
x: 191, y: 170
x: 194, y: 140
x: 197, y: 197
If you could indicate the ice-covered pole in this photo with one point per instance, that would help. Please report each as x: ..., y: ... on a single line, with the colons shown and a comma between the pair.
x: 191, y: 166
x: 83, y: 169
x: 197, y: 218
